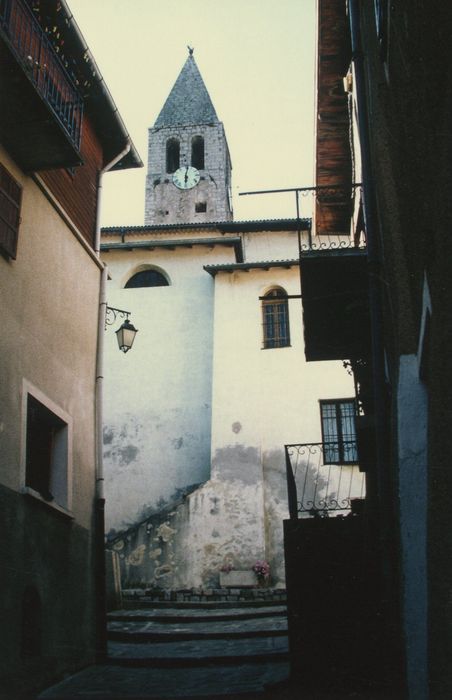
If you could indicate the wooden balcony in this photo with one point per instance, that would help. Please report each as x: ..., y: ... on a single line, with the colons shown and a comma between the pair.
x: 334, y: 289
x: 42, y: 110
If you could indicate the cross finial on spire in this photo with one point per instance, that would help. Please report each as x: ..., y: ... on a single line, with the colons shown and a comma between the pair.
x: 190, y: 50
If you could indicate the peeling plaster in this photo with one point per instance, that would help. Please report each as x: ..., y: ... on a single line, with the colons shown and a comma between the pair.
x: 177, y: 443
x: 128, y: 453
x: 239, y: 462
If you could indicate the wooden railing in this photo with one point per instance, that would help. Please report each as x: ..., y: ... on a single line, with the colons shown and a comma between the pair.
x: 35, y: 52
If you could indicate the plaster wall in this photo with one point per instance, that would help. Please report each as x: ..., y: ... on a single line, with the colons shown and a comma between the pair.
x: 49, y: 297
x: 199, y: 401
x: 49, y: 307
x: 158, y: 396
x: 271, y: 245
x: 264, y: 398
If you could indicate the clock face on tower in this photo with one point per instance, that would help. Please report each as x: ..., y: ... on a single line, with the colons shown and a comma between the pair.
x: 186, y: 177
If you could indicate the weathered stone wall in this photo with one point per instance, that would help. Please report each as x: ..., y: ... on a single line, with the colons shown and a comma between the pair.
x: 165, y: 203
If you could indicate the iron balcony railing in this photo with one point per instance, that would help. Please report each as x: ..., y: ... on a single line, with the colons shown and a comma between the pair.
x: 323, y: 478
x: 40, y: 61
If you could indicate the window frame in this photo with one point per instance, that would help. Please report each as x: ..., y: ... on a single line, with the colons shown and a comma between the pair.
x: 277, y: 320
x: 10, y: 208
x: 60, y: 479
x: 328, y: 442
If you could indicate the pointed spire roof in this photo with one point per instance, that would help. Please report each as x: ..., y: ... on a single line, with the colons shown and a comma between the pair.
x: 188, y: 102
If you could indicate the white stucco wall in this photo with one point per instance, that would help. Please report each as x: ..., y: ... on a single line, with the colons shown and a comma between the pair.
x: 262, y: 400
x: 49, y: 297
x: 158, y: 396
x: 198, y: 400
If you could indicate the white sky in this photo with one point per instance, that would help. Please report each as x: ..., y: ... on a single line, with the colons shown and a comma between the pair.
x: 257, y: 61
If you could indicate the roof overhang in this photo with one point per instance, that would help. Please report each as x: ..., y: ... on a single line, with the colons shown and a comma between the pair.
x: 255, y: 226
x: 234, y: 242
x: 247, y: 266
x: 334, y: 290
x: 99, y: 104
x: 333, y: 153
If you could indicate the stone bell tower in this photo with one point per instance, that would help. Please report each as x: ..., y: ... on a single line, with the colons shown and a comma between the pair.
x: 189, y: 168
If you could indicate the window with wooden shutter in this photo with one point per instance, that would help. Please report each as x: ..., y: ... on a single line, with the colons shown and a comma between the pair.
x: 10, y: 199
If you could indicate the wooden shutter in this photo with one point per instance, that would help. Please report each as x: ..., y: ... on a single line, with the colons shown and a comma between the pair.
x: 10, y: 199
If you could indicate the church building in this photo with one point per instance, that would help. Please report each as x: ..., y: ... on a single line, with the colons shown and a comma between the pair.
x: 196, y: 417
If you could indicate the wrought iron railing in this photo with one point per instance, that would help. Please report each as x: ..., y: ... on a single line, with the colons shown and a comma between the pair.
x: 323, y: 478
x: 41, y: 62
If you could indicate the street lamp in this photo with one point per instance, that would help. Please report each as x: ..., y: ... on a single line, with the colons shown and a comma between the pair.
x: 126, y: 332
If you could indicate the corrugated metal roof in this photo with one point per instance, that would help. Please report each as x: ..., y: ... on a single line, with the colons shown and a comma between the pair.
x: 245, y: 266
x: 235, y: 242
x: 223, y: 226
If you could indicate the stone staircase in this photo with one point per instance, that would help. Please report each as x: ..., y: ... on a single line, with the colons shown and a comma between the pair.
x: 200, y: 629
x: 192, y: 644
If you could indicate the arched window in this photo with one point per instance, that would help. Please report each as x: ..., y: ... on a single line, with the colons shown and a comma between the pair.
x: 172, y: 155
x: 146, y: 278
x: 275, y: 319
x: 31, y: 623
x: 197, y: 152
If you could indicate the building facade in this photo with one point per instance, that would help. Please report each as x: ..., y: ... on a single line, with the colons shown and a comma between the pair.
x: 382, y: 103
x: 195, y: 427
x: 52, y: 152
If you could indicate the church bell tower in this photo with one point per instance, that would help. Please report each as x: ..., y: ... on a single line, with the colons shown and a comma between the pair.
x: 189, y: 168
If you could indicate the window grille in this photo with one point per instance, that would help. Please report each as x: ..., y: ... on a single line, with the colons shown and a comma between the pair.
x: 275, y: 313
x: 10, y: 201
x: 339, y: 431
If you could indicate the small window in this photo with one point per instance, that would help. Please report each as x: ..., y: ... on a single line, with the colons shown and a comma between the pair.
x: 197, y: 152
x: 339, y: 431
x: 200, y: 207
x: 172, y: 155
x: 10, y: 201
x: 146, y: 278
x: 46, y: 467
x: 275, y: 314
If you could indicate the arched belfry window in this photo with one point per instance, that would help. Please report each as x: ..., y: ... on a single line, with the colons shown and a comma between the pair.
x: 146, y: 278
x: 172, y: 155
x: 197, y: 152
x: 275, y: 319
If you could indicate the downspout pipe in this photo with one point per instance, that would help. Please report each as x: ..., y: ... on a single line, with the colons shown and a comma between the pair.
x: 99, y: 510
x: 102, y: 172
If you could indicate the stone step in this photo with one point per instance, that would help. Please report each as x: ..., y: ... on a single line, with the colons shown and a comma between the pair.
x: 199, y: 653
x: 146, y: 631
x: 214, y: 595
x: 146, y: 602
x: 200, y: 614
